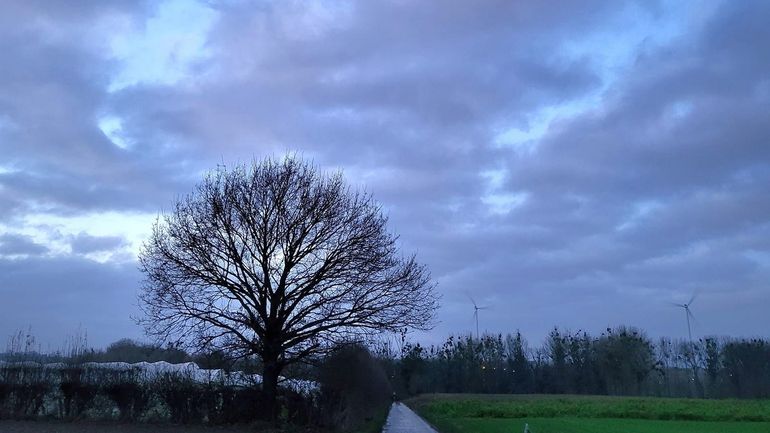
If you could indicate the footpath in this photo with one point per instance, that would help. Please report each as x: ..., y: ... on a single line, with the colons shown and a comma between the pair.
x: 401, y: 419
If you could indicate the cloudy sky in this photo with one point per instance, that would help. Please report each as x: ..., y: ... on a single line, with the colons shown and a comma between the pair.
x: 580, y: 164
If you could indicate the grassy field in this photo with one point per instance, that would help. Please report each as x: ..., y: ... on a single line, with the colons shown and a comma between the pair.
x: 591, y: 414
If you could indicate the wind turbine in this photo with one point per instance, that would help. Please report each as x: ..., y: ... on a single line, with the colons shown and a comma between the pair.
x: 476, y: 309
x: 688, y: 314
x: 686, y: 306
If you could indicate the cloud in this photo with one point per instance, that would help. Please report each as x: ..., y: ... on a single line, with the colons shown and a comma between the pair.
x: 580, y: 165
x: 56, y: 66
x: 84, y: 243
x: 56, y: 296
x: 12, y: 244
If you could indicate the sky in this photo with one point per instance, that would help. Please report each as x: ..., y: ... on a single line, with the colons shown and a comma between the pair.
x: 571, y: 164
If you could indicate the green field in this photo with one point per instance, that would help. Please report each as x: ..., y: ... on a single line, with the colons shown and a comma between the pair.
x: 591, y: 414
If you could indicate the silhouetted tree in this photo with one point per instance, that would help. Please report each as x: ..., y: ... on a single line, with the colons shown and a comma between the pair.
x: 519, y: 366
x: 747, y: 364
x: 556, y: 347
x: 278, y: 260
x: 626, y: 357
x: 713, y: 363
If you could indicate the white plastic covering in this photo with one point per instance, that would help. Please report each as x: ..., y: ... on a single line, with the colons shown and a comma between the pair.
x: 153, y: 370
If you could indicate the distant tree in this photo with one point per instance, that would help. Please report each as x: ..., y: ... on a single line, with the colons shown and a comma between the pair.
x: 281, y: 261
x: 582, y: 362
x: 626, y: 357
x: 664, y: 351
x: 413, y: 366
x: 519, y: 366
x: 691, y: 356
x: 557, y: 349
x: 127, y: 350
x: 713, y: 363
x: 747, y: 365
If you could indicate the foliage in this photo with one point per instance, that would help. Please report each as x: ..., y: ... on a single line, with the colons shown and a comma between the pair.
x: 70, y: 391
x: 620, y: 361
x: 354, y: 388
x: 131, y: 398
x: 747, y: 367
x: 127, y: 350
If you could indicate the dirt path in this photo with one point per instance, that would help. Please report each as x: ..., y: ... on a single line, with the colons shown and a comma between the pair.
x: 401, y: 419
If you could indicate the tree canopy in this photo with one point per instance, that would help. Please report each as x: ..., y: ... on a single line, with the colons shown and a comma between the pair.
x: 279, y: 260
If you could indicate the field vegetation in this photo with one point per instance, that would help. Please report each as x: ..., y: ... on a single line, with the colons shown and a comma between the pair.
x: 452, y: 413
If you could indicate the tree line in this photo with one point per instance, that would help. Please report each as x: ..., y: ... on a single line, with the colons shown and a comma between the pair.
x: 620, y: 361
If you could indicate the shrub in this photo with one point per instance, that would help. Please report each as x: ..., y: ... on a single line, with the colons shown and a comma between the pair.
x: 28, y: 399
x: 131, y: 398
x: 77, y: 393
x: 182, y: 397
x: 354, y: 388
x: 237, y: 405
x: 24, y: 390
x: 300, y: 409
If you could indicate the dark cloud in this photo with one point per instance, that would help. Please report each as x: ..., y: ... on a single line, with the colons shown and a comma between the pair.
x: 656, y: 191
x: 653, y: 192
x: 16, y: 244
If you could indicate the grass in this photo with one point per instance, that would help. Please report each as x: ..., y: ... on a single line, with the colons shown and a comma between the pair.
x: 591, y: 414
x: 600, y: 425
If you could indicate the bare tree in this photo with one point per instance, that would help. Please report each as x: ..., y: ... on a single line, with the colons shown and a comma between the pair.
x: 278, y: 260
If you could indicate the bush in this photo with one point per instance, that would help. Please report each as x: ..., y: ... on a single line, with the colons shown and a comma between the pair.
x: 69, y: 392
x: 77, y: 397
x: 181, y: 396
x: 131, y: 398
x: 24, y: 389
x: 77, y: 393
x: 27, y: 399
x: 299, y: 409
x: 354, y: 388
x: 231, y: 405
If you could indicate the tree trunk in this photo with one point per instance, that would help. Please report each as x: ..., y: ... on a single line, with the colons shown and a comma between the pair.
x: 270, y: 374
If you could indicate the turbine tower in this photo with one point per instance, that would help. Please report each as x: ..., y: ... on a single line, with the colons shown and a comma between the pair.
x: 476, y: 309
x: 688, y: 315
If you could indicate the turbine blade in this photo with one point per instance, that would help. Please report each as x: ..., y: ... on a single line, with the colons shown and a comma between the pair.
x: 694, y: 295
x: 483, y: 308
x: 677, y: 305
x: 471, y: 298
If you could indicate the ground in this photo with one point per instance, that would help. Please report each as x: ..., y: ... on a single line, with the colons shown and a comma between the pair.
x: 584, y: 414
x: 97, y: 427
